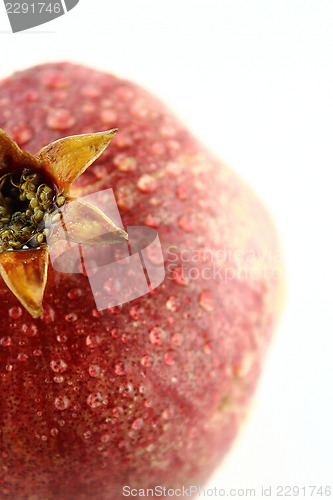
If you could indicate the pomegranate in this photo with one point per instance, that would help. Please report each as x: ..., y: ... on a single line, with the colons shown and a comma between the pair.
x: 151, y: 391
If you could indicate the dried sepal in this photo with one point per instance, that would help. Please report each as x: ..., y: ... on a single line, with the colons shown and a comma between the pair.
x: 11, y: 155
x: 66, y: 159
x: 81, y: 222
x: 25, y: 274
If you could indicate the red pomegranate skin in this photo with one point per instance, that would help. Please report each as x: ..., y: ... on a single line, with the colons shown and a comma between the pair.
x: 152, y: 392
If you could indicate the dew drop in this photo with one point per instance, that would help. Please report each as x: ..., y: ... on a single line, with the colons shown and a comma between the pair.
x: 60, y: 119
x: 6, y: 341
x: 185, y: 224
x: 91, y: 91
x: 48, y: 315
x: 61, y: 403
x: 119, y: 369
x: 146, y: 361
x: 58, y: 379
x: 125, y: 163
x: 136, y: 312
x: 22, y: 134
x: 117, y: 411
x: 169, y: 358
x: 87, y: 435
x: 172, y: 304
x: 30, y: 330
x: 156, y: 335
x: 206, y: 300
x: 22, y: 357
x: 9, y: 368
x: 105, y: 438
x: 58, y: 366
x: 37, y: 352
x: 157, y: 148
x: 147, y: 183
x: 108, y: 116
x: 166, y: 414
x: 182, y: 192
x: 62, y: 338
x: 96, y: 399
x: 138, y: 424
x: 93, y: 341
x: 74, y: 293
x: 71, y: 317
x: 179, y: 277
x: 207, y: 348
x: 176, y: 338
x: 15, y: 312
x: 94, y: 370
x: 126, y: 389
x: 54, y: 431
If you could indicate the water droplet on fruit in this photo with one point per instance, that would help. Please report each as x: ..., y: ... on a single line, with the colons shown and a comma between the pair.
x: 91, y: 91
x: 74, y: 293
x: 54, y: 431
x: 124, y: 93
x: 147, y: 183
x: 126, y: 389
x: 105, y: 438
x: 119, y: 369
x: 136, y: 312
x: 58, y: 366
x: 156, y: 335
x: 30, y: 330
x: 117, y: 411
x: 6, y: 341
x: 125, y: 338
x: 87, y: 435
x: 48, y: 315
x: 94, y: 370
x: 138, y: 424
x: 96, y: 399
x: 185, y: 224
x: 166, y: 414
x: 21, y: 134
x: 61, y: 403
x: 60, y: 119
x: 9, y: 368
x: 37, y: 352
x: 146, y: 361
x: 176, y: 338
x: 178, y: 275
x: 157, y: 148
x: 207, y: 348
x: 93, y: 341
x: 62, y: 338
x: 15, y: 312
x: 172, y: 303
x: 54, y: 80
x: 182, y: 192
x: 58, y: 379
x: 108, y: 116
x: 125, y: 163
x: 71, y: 317
x: 206, y: 300
x: 169, y: 358
x: 22, y: 357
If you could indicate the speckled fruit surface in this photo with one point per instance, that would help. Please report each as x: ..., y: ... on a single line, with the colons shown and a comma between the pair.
x: 153, y: 392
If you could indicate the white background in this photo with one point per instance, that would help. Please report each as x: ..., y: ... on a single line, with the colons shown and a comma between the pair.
x: 253, y: 79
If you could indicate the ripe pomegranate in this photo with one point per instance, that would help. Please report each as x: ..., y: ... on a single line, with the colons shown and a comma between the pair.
x: 150, y: 392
